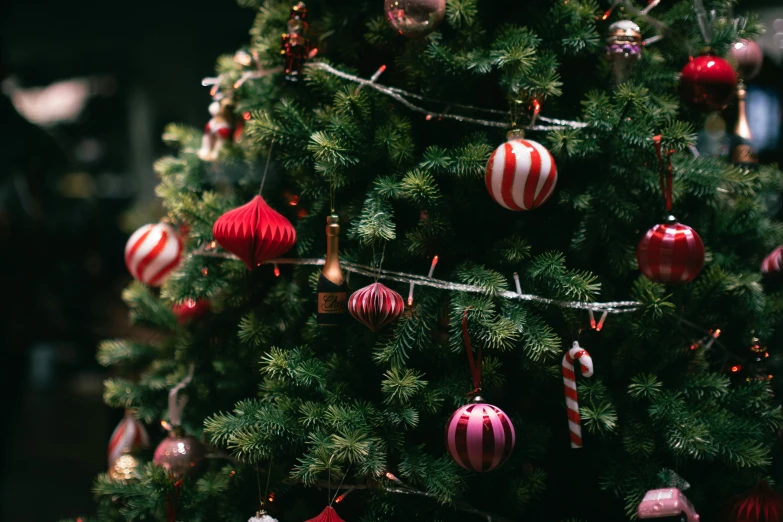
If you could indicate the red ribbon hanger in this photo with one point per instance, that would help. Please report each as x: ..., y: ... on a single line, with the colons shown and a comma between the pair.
x: 665, y: 172
x: 475, y: 363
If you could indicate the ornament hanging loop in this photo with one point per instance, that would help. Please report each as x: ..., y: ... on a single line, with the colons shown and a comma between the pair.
x: 177, y: 403
x: 474, y: 363
x: 665, y: 172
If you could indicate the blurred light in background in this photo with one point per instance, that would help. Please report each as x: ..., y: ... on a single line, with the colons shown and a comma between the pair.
x: 763, y: 106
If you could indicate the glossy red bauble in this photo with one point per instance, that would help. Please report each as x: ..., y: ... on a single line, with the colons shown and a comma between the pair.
x: 191, y: 309
x: 708, y: 83
x: 254, y: 232
x: 670, y: 253
x: 375, y: 306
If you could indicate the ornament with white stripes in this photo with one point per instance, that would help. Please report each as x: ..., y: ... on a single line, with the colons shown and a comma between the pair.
x: 127, y: 437
x: 521, y: 174
x: 569, y: 385
x: 773, y: 263
x: 375, y: 306
x: 670, y: 253
x: 153, y: 252
x: 479, y: 436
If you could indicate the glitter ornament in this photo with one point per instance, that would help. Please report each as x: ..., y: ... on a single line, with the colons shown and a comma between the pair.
x: 375, y: 306
x: 254, y: 232
x: 623, y: 48
x: 748, y: 56
x: 127, y: 437
x: 670, y: 253
x: 327, y: 515
x: 191, y: 309
x: 479, y: 436
x: 152, y: 253
x: 521, y: 174
x: 708, y: 83
x: 414, y: 18
x: 125, y: 468
x: 180, y: 454
x: 773, y: 262
x: 261, y: 517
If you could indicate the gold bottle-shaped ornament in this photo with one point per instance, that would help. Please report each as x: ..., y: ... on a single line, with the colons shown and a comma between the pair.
x: 332, y: 289
x: 742, y: 154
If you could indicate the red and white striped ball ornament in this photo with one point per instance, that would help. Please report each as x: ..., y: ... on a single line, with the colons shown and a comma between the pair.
x: 127, y: 437
x: 521, y: 174
x: 153, y: 252
x: 479, y: 436
x: 670, y: 253
x: 375, y: 306
x: 773, y: 263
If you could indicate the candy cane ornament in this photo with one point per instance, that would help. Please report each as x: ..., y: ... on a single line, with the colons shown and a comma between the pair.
x: 569, y: 385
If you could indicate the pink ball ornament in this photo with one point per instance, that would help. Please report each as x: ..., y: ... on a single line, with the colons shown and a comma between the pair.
x: 480, y: 437
x: 375, y: 306
x: 180, y: 454
x: 773, y: 263
x: 521, y: 174
x: 153, y: 252
x: 748, y: 56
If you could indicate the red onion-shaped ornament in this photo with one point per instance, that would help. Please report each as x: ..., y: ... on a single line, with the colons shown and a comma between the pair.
x: 129, y: 436
x: 254, y: 232
x: 480, y: 437
x: 191, y: 309
x: 153, y: 252
x: 327, y: 515
x: 670, y: 253
x: 375, y: 306
x: 521, y: 174
x: 760, y: 504
x: 708, y: 83
x: 180, y: 454
x: 773, y: 263
x: 748, y: 56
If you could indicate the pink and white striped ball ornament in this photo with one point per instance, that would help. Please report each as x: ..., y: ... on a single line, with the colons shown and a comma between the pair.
x: 375, y: 306
x: 127, y: 437
x: 479, y: 436
x: 521, y: 174
x: 153, y: 252
x: 670, y: 253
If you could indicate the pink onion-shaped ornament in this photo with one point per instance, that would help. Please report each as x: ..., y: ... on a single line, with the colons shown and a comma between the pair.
x: 480, y: 437
x: 129, y: 436
x: 254, y: 232
x: 327, y: 515
x: 670, y: 253
x: 773, y: 263
x: 153, y: 252
x: 375, y: 306
x: 191, y: 309
x: 180, y: 454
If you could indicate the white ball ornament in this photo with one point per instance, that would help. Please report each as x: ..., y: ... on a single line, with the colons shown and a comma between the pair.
x: 521, y: 174
x: 153, y: 252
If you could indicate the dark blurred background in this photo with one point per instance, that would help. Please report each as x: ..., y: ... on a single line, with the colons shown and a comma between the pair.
x: 87, y: 87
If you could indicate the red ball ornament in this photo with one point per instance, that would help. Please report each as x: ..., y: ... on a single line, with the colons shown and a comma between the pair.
x: 191, y: 309
x: 708, y: 83
x: 749, y: 57
x: 375, y: 306
x: 760, y: 504
x: 153, y: 252
x: 254, y: 232
x: 521, y: 174
x: 327, y: 515
x: 773, y: 263
x: 180, y: 454
x: 670, y: 253
x: 480, y: 437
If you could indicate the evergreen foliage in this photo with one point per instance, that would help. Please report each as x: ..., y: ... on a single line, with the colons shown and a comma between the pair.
x: 282, y: 400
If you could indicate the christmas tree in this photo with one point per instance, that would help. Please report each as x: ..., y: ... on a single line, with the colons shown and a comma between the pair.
x: 505, y: 266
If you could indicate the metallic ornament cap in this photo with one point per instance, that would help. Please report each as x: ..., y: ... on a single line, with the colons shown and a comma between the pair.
x: 515, y: 134
x: 670, y: 220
